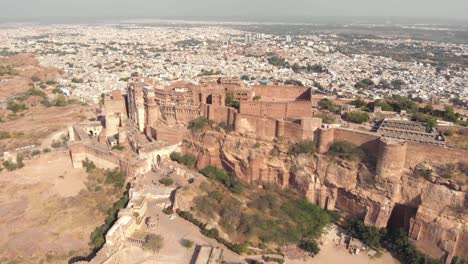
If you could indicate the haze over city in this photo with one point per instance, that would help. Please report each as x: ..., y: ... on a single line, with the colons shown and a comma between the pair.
x: 257, y: 10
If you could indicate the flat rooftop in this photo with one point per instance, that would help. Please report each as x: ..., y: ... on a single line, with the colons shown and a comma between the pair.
x: 408, y: 130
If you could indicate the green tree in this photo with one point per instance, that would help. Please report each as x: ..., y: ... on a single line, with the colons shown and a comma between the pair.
x: 116, y: 177
x: 310, y: 246
x: 401, y: 103
x: 430, y: 121
x: 98, y: 235
x: 305, y: 146
x: 36, y: 92
x: 317, y: 68
x: 166, y: 181
x: 231, y: 102
x: 19, y: 161
x: 381, y: 103
x: 4, y: 135
x: 77, y: 80
x: 398, y: 84
x: 277, y: 61
x: 346, y: 150
x: 89, y: 165
x: 327, y: 119
x: 371, y: 236
x: 212, y: 233
x: 118, y: 147
x: 10, y: 166
x: 153, y: 242
x: 46, y: 102
x: 329, y: 105
x: 16, y: 107
x: 224, y: 177
x: 358, y: 102
x: 188, y: 160
x: 450, y: 115
x: 186, y: 243
x: 428, y: 109
x: 364, y: 83
x: 241, y: 248
x: 215, y: 195
x: 356, y: 117
x: 199, y: 124
x: 60, y: 100
x: 296, y: 68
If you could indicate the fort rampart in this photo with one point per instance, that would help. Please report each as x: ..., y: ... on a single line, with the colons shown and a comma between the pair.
x: 276, y: 109
x: 221, y: 114
x: 282, y: 93
x: 102, y: 158
x: 413, y: 153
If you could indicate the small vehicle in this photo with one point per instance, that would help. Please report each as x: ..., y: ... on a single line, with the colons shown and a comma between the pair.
x: 191, y: 180
x: 172, y: 217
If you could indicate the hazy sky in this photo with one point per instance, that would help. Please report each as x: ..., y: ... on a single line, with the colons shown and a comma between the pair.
x: 444, y: 9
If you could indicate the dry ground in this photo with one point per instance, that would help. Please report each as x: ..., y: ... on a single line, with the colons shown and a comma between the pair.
x: 172, y: 252
x: 26, y: 66
x: 458, y: 137
x: 47, y: 212
x: 47, y: 209
x: 331, y: 253
x: 39, y: 123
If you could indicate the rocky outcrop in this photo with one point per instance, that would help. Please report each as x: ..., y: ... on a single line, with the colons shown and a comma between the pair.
x: 385, y: 192
x: 441, y: 220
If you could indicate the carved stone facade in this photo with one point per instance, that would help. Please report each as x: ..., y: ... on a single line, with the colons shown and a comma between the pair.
x: 266, y: 111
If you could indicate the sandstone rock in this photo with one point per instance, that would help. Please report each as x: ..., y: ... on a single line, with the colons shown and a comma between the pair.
x: 356, y: 189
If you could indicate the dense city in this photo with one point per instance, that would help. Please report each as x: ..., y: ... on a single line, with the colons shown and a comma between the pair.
x: 100, y: 58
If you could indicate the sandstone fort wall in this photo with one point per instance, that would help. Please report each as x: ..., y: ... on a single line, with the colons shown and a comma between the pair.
x: 366, y: 141
x: 413, y: 154
x: 186, y: 114
x: 289, y: 130
x: 278, y: 110
x: 271, y: 109
x: 167, y: 134
x: 325, y: 138
x: 262, y: 127
x: 391, y: 161
x: 298, y: 109
x: 221, y: 114
x: 102, y: 159
x: 417, y: 153
x: 282, y: 93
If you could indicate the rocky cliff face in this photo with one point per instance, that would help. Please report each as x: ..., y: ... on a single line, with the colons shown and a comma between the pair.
x: 385, y: 194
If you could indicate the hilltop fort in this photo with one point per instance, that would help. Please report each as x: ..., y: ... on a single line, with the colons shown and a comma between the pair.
x: 249, y: 132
